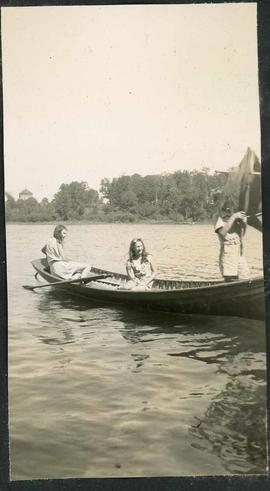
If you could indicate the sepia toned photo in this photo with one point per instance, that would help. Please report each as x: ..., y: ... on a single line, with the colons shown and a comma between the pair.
x: 133, y: 208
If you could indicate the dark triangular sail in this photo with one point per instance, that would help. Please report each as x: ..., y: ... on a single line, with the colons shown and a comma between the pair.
x: 244, y: 181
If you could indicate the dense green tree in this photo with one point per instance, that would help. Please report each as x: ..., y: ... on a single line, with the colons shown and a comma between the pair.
x: 179, y: 196
x: 72, y: 200
x: 10, y: 201
x: 29, y: 210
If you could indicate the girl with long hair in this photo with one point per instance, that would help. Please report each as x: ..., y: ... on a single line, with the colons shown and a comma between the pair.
x: 140, y: 267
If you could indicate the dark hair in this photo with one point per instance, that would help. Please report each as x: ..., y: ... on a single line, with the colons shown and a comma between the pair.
x: 57, y: 232
x: 227, y: 207
x: 132, y: 251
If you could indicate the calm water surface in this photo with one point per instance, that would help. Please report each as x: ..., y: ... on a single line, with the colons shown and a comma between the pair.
x: 97, y: 391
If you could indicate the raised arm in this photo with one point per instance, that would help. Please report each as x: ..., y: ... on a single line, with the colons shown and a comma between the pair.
x: 239, y: 215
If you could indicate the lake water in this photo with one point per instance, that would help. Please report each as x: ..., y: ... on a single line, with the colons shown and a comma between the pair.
x: 99, y: 391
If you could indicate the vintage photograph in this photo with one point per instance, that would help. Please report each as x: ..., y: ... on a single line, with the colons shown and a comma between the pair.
x: 136, y: 316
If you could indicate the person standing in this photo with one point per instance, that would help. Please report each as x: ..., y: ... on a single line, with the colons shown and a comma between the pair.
x: 231, y: 227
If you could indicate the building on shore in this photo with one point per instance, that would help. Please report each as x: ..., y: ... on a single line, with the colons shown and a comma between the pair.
x: 25, y: 194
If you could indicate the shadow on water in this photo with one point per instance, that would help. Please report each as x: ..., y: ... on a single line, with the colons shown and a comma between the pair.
x: 233, y: 426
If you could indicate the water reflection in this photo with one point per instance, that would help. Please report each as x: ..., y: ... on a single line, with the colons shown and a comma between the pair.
x: 233, y: 425
x: 55, y: 318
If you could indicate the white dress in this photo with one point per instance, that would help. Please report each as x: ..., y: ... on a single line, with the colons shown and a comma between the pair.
x: 58, y: 264
x: 231, y: 259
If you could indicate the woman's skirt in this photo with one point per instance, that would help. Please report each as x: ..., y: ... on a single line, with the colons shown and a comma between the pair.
x: 67, y: 269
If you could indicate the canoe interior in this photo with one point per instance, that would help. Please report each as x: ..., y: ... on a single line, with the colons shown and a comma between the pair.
x: 163, y: 284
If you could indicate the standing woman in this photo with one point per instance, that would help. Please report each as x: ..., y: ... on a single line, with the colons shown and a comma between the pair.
x: 230, y: 228
x: 56, y: 260
x: 140, y: 268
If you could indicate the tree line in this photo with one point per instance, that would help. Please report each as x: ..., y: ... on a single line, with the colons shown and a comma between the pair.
x: 177, y: 197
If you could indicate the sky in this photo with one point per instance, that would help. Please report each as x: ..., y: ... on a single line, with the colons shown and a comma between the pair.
x: 101, y: 91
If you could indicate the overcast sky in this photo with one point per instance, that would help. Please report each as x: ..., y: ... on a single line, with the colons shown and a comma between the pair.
x: 93, y: 92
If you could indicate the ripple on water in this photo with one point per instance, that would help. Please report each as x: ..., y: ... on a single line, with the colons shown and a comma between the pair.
x: 103, y: 391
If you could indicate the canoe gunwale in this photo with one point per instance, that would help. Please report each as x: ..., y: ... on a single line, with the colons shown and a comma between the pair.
x: 204, y: 285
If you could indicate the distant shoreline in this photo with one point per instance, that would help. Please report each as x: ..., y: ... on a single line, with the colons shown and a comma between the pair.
x: 81, y: 222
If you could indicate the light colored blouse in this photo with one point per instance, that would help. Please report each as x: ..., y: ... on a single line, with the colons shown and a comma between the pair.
x: 141, y: 267
x: 54, y: 251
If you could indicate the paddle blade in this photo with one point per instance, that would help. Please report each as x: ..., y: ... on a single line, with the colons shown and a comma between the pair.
x: 28, y: 287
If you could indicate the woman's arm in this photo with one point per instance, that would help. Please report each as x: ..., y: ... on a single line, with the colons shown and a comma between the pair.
x: 240, y: 215
x: 153, y: 270
x: 130, y: 271
x: 44, y: 249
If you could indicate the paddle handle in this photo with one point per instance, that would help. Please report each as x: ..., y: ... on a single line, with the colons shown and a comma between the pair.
x: 256, y: 215
x: 65, y: 282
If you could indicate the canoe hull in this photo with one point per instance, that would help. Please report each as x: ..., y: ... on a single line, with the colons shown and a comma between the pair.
x: 241, y: 298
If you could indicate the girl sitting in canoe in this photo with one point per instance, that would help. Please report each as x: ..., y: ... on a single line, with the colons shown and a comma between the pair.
x: 140, y: 268
x: 57, y: 263
x: 231, y: 228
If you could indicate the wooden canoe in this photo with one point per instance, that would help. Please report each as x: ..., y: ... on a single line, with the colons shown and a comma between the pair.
x: 242, y: 298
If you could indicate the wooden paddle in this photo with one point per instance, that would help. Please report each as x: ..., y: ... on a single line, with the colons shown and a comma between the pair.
x: 256, y: 215
x: 87, y: 279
